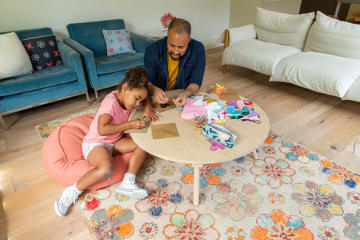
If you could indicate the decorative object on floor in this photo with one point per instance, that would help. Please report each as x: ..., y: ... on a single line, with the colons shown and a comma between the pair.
x: 288, y: 192
x: 45, y: 129
x: 63, y: 160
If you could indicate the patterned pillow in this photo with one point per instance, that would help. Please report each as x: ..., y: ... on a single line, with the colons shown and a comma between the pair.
x: 118, y: 41
x: 43, y: 52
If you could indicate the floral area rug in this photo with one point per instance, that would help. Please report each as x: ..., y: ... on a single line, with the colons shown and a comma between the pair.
x: 45, y: 129
x: 288, y: 192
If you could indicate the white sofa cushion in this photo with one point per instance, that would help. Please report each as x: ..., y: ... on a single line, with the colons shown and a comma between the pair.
x: 14, y: 61
x: 256, y: 55
x: 354, y: 92
x: 332, y: 36
x: 281, y: 28
x: 241, y: 33
x: 320, y: 72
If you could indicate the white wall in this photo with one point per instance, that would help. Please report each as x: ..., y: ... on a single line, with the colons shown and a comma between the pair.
x: 284, y: 6
x: 243, y: 12
x: 208, y: 18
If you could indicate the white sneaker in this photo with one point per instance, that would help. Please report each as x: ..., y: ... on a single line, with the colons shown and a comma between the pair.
x: 63, y: 202
x: 132, y: 190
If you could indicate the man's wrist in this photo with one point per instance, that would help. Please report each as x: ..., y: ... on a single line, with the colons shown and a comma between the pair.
x: 188, y: 93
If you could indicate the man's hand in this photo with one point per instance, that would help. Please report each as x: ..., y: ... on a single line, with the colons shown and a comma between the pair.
x: 150, y: 114
x: 181, y: 99
x: 159, y: 96
x: 137, y: 124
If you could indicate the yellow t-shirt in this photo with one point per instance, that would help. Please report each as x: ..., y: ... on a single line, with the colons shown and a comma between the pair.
x: 173, y: 69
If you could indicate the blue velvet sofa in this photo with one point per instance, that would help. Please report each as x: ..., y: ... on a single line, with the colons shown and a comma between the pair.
x: 44, y: 86
x: 104, y: 71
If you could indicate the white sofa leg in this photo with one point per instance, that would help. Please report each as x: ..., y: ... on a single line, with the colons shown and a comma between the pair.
x: 223, y: 69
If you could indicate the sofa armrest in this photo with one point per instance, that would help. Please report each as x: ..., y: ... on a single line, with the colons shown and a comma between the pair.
x: 237, y: 34
x: 72, y: 60
x: 88, y: 57
x: 140, y: 42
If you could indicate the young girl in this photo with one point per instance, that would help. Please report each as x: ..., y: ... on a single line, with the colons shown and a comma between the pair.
x: 105, y: 138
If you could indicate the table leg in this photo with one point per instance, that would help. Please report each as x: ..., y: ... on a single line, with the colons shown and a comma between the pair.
x: 254, y: 154
x: 196, y: 183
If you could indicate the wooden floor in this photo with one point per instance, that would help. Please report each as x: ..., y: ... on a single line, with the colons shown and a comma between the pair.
x: 322, y: 123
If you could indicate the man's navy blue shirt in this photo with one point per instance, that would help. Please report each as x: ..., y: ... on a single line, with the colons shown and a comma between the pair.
x: 191, y: 66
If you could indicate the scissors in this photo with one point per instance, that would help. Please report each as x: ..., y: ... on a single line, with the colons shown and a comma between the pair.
x: 215, y: 145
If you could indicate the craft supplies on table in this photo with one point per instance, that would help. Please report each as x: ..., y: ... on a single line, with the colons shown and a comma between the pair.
x: 219, y: 89
x: 200, y: 121
x: 193, y: 108
x: 215, y: 146
x: 219, y: 134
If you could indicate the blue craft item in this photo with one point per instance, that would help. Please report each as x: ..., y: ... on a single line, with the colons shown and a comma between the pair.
x: 238, y: 112
x: 230, y: 109
x: 179, y: 108
x: 232, y: 103
x: 219, y: 134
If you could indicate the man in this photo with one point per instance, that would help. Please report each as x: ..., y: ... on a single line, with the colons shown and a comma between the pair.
x: 175, y: 62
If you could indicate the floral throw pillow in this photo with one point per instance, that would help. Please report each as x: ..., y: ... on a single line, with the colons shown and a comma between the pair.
x: 118, y: 41
x: 43, y: 52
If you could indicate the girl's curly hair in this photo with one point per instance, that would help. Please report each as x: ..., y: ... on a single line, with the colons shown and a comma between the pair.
x: 135, y: 78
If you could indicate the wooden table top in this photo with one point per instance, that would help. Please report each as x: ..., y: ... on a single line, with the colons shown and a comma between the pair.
x: 193, y: 147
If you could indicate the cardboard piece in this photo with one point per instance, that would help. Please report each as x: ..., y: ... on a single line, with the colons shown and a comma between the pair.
x: 166, y: 130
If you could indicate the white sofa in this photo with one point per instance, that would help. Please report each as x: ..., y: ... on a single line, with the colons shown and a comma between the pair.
x: 323, y: 56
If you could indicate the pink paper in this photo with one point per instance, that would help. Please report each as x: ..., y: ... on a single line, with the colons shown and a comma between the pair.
x: 190, y: 110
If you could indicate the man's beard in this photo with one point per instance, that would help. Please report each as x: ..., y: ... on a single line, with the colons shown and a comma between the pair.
x: 171, y: 55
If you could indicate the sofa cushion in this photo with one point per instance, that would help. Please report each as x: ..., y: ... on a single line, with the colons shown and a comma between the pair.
x: 14, y: 60
x: 118, y: 41
x: 332, y: 36
x: 320, y: 72
x: 41, y: 79
x: 43, y: 52
x: 257, y: 55
x: 281, y: 28
x: 105, y: 64
x: 354, y: 92
x: 241, y: 33
x: 90, y: 34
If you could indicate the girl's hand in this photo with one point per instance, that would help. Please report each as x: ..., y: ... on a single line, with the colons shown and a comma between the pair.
x: 149, y: 114
x: 137, y: 124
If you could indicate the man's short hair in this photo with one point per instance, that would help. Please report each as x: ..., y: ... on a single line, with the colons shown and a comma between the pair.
x: 180, y: 26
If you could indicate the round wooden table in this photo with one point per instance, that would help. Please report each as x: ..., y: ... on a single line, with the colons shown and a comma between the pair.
x: 192, y: 147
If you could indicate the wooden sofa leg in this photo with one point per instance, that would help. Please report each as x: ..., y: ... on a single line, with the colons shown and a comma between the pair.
x: 223, y: 69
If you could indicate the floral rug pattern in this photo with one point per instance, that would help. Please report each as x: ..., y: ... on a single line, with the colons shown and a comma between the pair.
x: 287, y: 193
x: 45, y: 129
